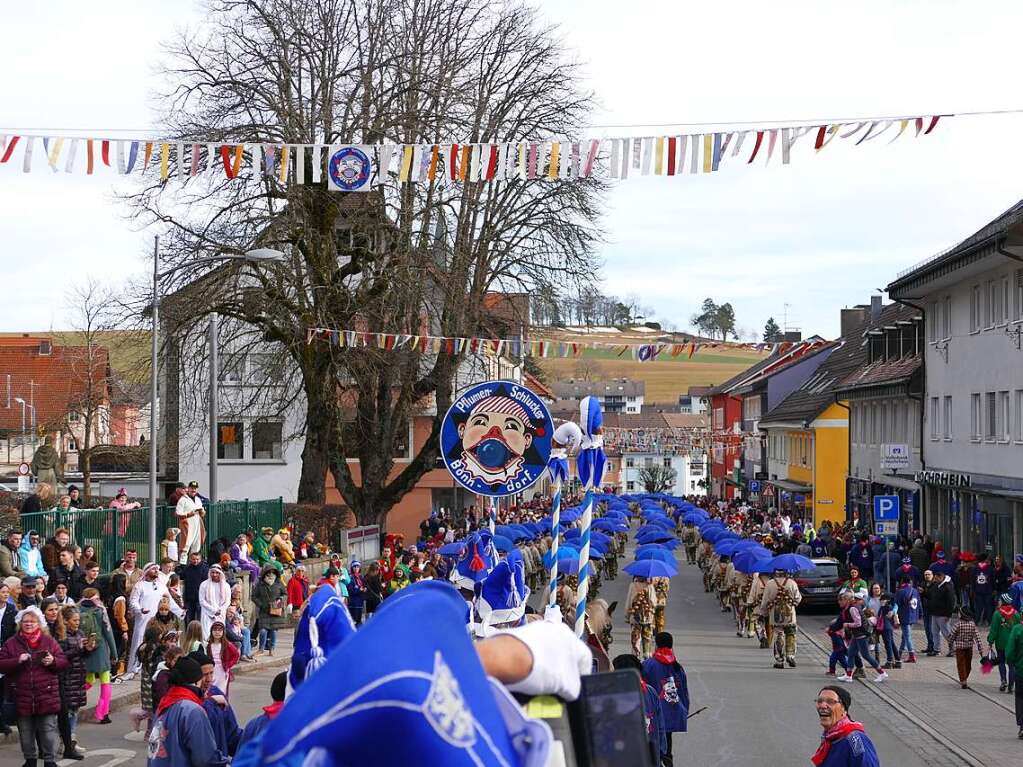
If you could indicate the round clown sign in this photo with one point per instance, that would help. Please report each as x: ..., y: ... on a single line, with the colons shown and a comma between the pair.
x: 496, y: 438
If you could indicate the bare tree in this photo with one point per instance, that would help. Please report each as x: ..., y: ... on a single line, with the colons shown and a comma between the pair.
x: 87, y: 416
x: 657, y: 479
x: 588, y: 369
x: 403, y: 258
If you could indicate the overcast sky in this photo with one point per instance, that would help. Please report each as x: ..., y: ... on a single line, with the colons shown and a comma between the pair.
x: 819, y: 234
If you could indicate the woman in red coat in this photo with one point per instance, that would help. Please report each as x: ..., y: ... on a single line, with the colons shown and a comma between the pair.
x: 298, y: 589
x: 31, y: 661
x: 225, y: 657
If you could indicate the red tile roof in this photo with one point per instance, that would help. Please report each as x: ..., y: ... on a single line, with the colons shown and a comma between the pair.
x: 59, y: 379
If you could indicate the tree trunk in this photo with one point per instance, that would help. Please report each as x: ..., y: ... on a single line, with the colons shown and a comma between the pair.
x: 313, y: 480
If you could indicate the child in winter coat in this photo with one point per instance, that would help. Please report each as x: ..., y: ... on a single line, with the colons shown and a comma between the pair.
x: 963, y: 637
x: 839, y: 651
x: 1002, y: 623
x: 888, y: 621
x: 907, y: 600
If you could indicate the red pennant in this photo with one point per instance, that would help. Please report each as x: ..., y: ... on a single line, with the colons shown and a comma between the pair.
x: 105, y: 152
x: 919, y: 125
x: 492, y: 165
x: 225, y: 156
x: 934, y: 122
x: 820, y: 137
x: 453, y: 161
x: 10, y: 149
x: 756, y: 147
x: 671, y: 155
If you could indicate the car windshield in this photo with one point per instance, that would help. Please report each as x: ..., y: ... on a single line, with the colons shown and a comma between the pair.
x: 823, y: 570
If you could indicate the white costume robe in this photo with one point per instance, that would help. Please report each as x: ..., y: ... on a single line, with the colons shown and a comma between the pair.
x: 193, y: 529
x: 214, y: 599
x: 146, y: 596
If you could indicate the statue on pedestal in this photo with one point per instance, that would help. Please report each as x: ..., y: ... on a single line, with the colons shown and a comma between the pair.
x: 46, y: 464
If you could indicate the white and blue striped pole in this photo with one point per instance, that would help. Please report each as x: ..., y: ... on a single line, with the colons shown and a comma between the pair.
x: 552, y: 600
x: 590, y: 465
x: 493, y: 514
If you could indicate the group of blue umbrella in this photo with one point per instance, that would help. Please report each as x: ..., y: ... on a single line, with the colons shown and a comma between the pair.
x: 747, y: 555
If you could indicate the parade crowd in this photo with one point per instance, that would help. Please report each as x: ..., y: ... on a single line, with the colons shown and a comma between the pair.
x: 754, y: 560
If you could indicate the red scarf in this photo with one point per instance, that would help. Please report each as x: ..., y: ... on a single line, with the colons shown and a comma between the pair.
x: 836, y: 733
x: 177, y: 694
x: 1007, y: 612
x: 273, y: 709
x: 665, y: 655
x: 33, y: 638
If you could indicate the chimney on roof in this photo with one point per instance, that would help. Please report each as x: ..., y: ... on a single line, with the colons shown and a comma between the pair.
x: 875, y: 308
x: 853, y: 317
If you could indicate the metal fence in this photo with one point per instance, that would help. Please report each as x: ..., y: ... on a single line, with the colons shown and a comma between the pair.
x: 113, y: 531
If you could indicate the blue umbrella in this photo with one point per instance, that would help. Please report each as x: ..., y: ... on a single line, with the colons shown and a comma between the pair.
x: 654, y: 537
x: 647, y: 529
x: 651, y: 568
x: 453, y: 549
x: 792, y: 563
x: 692, y: 519
x: 656, y: 553
x: 724, y: 548
x: 712, y: 534
x: 610, y: 526
x: 746, y: 560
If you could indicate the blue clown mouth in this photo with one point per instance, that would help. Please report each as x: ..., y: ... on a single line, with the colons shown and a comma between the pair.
x: 492, y: 453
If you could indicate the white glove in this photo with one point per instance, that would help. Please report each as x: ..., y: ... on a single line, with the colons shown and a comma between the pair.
x: 559, y: 659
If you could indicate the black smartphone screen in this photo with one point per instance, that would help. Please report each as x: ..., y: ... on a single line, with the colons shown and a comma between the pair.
x: 612, y: 709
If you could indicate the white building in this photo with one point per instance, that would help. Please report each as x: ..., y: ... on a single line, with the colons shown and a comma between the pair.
x: 619, y: 395
x: 689, y: 470
x: 695, y: 401
x: 972, y: 474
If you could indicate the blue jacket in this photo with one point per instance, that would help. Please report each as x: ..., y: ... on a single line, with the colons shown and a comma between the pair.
x: 907, y: 571
x: 182, y: 737
x: 854, y: 750
x: 226, y: 732
x: 669, y: 682
x: 908, y: 600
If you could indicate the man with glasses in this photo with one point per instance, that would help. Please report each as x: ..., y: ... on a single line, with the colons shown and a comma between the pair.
x: 844, y: 742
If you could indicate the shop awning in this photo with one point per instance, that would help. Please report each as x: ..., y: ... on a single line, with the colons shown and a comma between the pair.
x: 790, y: 487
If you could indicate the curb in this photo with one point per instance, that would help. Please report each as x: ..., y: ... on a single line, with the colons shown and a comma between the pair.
x: 86, y: 715
x: 924, y: 726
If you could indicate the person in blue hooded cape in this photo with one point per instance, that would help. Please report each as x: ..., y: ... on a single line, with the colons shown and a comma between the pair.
x: 665, y: 674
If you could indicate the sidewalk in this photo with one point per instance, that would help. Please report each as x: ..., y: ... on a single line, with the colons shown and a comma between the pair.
x: 979, y: 720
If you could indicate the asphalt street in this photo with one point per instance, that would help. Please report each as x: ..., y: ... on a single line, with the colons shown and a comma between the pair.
x: 756, y: 715
x: 115, y: 744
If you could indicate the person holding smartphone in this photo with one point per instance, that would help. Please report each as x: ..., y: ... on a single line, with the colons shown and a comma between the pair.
x: 31, y: 661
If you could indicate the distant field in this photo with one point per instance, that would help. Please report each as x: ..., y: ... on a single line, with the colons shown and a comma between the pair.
x: 665, y: 379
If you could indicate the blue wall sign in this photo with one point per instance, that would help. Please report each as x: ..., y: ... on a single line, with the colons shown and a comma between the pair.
x: 496, y: 438
x: 886, y: 508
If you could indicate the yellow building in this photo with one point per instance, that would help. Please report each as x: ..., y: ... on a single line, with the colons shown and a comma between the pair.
x: 808, y: 438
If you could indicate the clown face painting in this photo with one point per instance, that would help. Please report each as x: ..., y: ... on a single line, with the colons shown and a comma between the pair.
x: 494, y: 437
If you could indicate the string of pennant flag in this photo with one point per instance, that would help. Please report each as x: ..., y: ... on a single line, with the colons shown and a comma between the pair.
x: 529, y: 347
x: 359, y: 167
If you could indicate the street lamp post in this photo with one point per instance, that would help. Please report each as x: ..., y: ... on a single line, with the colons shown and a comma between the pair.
x: 257, y: 255
x: 21, y: 402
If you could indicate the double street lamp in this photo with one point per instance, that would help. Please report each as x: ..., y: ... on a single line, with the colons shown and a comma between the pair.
x: 253, y: 256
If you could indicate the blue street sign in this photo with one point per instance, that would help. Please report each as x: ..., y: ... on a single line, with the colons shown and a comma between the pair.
x: 754, y: 486
x: 886, y: 508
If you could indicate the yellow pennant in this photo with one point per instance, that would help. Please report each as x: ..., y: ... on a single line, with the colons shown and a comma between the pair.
x: 164, y: 160
x: 283, y: 175
x: 552, y: 171
x: 708, y: 152
x: 659, y: 156
x: 406, y: 163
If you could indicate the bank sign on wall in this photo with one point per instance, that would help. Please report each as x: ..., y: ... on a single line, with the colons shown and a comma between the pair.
x: 894, y: 456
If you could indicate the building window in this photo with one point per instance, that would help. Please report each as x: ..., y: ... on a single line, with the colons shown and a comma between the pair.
x: 976, y: 309
x: 947, y: 418
x: 648, y: 462
x: 994, y: 303
x: 629, y: 462
x: 230, y: 441
x: 267, y: 441
x: 1018, y: 429
x: 935, y: 419
x: 667, y: 462
x: 976, y: 418
x: 803, y: 443
x: 1004, y: 423
x: 630, y: 485
x: 873, y: 424
x: 913, y: 424
x: 72, y: 446
x: 1019, y: 294
x: 73, y: 417
x: 231, y: 370
x: 990, y: 416
x: 696, y: 469
x: 1005, y: 301
x: 946, y: 325
x: 932, y: 334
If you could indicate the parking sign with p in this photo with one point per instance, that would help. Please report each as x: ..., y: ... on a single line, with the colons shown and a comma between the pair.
x: 886, y: 508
